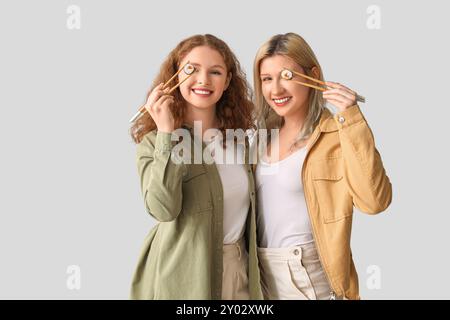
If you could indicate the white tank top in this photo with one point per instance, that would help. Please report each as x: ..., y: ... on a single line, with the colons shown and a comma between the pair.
x: 282, y: 219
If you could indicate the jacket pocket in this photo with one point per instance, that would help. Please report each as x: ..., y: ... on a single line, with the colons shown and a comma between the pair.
x: 333, y: 197
x: 196, y: 190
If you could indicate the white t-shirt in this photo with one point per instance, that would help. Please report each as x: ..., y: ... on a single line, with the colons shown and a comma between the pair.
x: 236, y: 204
x: 283, y: 219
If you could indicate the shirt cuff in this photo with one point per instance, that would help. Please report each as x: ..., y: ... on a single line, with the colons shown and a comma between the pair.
x: 163, y: 142
x: 349, y: 116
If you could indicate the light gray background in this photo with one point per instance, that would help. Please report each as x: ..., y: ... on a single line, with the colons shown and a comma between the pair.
x: 68, y: 179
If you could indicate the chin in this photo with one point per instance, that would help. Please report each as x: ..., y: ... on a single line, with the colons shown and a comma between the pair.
x: 200, y: 105
x: 281, y: 111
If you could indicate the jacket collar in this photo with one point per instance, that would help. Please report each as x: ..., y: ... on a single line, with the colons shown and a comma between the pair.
x: 326, y: 124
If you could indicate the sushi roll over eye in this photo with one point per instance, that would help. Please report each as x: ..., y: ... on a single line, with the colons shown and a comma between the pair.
x: 287, y: 74
x: 189, y: 69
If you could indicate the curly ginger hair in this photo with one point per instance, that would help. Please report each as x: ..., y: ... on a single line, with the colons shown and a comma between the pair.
x: 234, y: 109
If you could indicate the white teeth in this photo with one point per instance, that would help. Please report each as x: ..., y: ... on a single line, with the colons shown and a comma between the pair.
x: 202, y: 92
x: 281, y: 100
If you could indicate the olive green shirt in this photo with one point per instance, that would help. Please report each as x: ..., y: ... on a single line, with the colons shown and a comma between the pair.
x: 182, y: 255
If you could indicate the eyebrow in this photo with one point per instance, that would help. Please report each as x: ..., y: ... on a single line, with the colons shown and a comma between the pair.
x: 214, y: 66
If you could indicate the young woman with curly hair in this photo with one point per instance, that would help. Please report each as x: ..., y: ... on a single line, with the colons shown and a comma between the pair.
x: 204, y: 244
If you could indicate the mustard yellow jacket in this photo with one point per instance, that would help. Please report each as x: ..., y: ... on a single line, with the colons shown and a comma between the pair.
x: 342, y: 170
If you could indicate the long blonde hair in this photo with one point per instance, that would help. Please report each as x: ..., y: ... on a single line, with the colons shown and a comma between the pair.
x: 295, y: 47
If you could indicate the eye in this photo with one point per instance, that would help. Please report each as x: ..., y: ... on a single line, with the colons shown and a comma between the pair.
x: 216, y: 72
x: 266, y: 79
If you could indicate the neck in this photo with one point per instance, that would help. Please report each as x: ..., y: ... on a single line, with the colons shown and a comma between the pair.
x: 207, y: 117
x: 294, y: 122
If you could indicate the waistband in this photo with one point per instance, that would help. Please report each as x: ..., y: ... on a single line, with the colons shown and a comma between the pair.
x: 305, y: 252
x: 236, y: 249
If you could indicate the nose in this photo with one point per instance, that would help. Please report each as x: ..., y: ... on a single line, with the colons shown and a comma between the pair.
x: 277, y: 87
x: 203, y: 78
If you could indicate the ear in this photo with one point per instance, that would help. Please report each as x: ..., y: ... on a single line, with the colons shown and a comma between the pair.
x: 316, y: 72
x: 227, y: 83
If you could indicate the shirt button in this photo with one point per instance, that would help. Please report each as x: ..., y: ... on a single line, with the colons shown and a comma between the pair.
x: 341, y: 119
x: 296, y: 252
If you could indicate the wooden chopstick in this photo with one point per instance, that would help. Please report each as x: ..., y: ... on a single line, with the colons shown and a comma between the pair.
x: 358, y: 97
x: 310, y: 78
x: 173, y: 77
x: 179, y: 83
x: 309, y: 85
x: 142, y: 109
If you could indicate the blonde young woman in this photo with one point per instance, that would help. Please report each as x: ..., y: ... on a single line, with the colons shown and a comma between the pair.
x: 204, y: 243
x: 310, y: 177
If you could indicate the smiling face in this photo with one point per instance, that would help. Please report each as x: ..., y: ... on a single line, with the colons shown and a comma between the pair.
x: 286, y: 97
x: 209, y: 80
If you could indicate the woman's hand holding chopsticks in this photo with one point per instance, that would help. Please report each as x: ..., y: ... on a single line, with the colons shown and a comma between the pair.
x: 339, y: 95
x: 158, y: 106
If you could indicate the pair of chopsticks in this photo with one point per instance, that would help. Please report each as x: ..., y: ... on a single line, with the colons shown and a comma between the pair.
x: 188, y: 70
x: 289, y: 75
